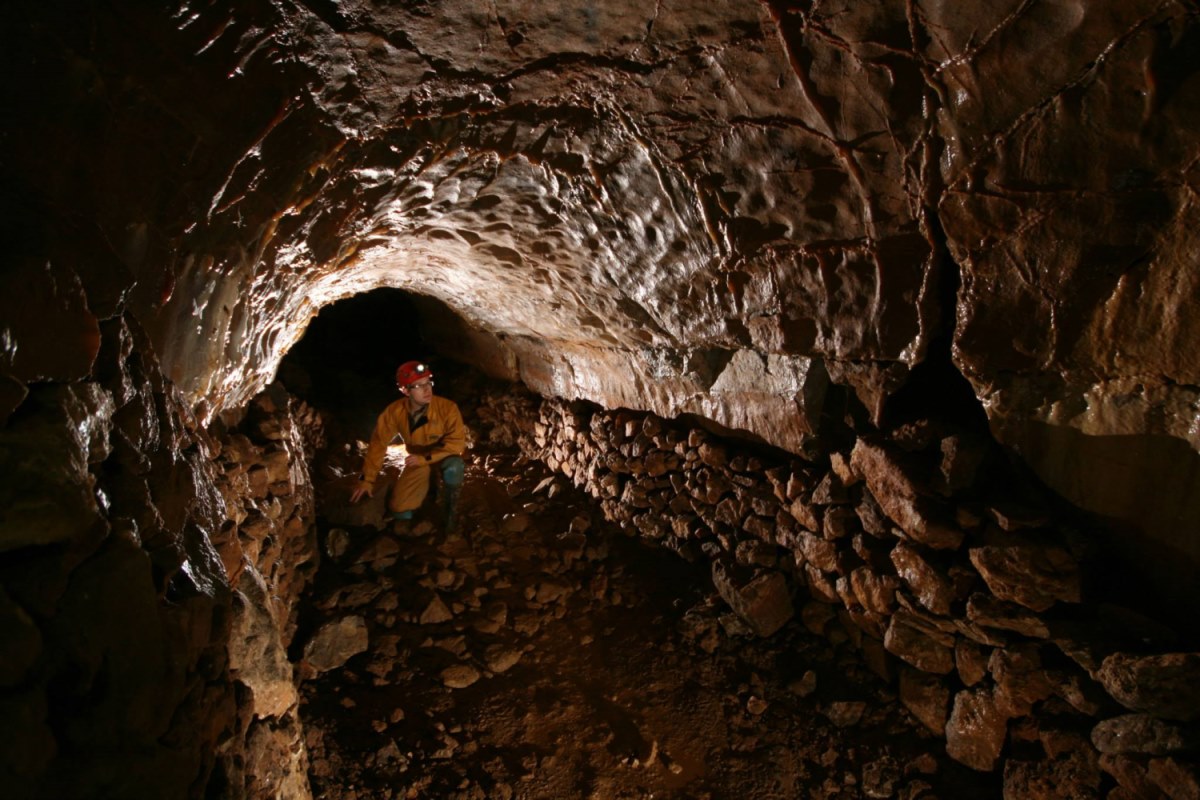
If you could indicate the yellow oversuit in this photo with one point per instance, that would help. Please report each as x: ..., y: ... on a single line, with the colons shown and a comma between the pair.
x: 440, y: 436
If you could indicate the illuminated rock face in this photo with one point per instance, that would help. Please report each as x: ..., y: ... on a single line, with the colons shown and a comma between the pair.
x: 679, y: 207
x: 725, y: 209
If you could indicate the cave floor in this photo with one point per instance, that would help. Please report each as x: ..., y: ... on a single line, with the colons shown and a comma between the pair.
x: 540, y: 652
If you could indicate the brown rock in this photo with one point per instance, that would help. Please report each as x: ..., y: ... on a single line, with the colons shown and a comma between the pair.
x: 1177, y: 779
x: 840, y: 464
x: 821, y: 553
x: 1132, y: 776
x: 1142, y: 733
x: 820, y: 585
x: 816, y: 617
x: 459, y: 676
x: 961, y: 458
x: 1029, y: 573
x: 258, y: 653
x: 1075, y: 774
x: 1020, y: 679
x: 829, y: 491
x: 871, y: 516
x: 764, y: 603
x: 928, y: 584
x: 844, y: 713
x: 926, y: 696
x: 901, y: 498
x: 1164, y: 685
x: 976, y: 729
x: 804, y: 514
x: 436, y: 611
x: 986, y: 610
x: 336, y: 642
x: 875, y: 592
x: 838, y: 522
x: 927, y: 650
x: 970, y: 661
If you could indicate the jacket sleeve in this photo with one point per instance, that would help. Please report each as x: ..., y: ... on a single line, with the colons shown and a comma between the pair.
x: 385, y: 430
x: 454, y: 440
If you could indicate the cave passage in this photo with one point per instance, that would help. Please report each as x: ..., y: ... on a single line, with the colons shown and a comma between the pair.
x: 832, y: 371
x: 540, y: 651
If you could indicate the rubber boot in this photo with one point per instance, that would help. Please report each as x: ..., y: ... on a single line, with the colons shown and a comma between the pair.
x: 402, y: 522
x: 450, y: 495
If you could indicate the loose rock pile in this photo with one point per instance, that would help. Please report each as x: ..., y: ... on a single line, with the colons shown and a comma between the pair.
x: 921, y: 551
x: 542, y: 654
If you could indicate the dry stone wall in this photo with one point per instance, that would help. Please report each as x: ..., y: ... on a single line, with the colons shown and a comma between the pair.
x: 921, y: 550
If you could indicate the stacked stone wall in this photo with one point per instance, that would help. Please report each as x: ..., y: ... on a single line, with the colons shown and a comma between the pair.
x: 972, y: 593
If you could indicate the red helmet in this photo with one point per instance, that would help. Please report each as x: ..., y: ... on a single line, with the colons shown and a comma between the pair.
x: 412, y: 371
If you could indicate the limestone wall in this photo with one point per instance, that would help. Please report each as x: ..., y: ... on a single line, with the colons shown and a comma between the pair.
x: 148, y: 571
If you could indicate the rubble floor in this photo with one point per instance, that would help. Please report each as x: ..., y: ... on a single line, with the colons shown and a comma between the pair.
x: 567, y: 659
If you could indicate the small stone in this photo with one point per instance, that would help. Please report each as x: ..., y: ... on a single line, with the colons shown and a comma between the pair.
x: 459, y: 676
x: 879, y: 778
x: 756, y: 705
x: 845, y: 713
x: 435, y: 612
x: 931, y: 587
x: 806, y: 685
x: 970, y: 661
x: 500, y: 659
x: 336, y: 542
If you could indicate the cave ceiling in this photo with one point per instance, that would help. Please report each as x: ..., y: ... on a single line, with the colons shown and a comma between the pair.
x: 714, y: 208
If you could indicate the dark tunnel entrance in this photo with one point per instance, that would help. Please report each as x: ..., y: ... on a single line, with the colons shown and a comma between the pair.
x: 542, y: 651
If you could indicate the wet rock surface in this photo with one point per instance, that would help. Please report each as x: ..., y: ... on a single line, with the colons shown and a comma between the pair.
x: 723, y: 210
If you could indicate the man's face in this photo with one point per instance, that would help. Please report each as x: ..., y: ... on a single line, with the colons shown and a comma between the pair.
x: 420, y: 391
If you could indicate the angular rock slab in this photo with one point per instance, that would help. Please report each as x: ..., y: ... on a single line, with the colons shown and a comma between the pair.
x: 1142, y: 733
x: 1032, y: 574
x: 336, y: 642
x: 976, y: 729
x: 764, y: 603
x: 1166, y: 686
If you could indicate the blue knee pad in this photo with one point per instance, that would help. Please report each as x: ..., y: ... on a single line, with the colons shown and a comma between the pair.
x: 453, y: 470
x: 402, y: 515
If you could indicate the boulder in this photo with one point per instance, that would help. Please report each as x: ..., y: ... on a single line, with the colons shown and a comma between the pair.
x: 764, y: 602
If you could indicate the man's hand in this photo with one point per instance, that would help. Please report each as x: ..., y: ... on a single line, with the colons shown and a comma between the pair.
x: 414, y: 460
x: 359, y: 491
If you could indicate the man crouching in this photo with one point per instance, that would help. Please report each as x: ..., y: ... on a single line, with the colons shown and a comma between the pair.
x: 433, y: 431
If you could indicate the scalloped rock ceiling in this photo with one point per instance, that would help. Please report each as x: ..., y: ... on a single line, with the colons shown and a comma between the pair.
x: 684, y: 207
